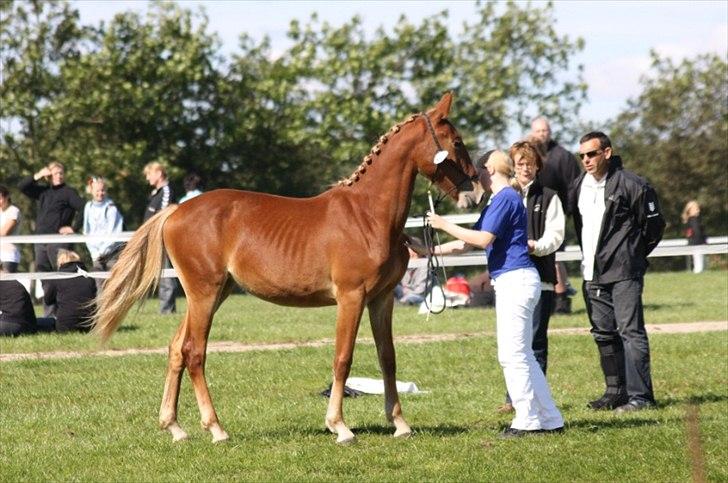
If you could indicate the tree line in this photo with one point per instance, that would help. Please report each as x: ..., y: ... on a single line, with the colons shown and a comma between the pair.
x: 106, y: 99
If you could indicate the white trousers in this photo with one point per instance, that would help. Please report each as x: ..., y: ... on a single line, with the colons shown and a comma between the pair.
x: 698, y: 262
x: 517, y: 293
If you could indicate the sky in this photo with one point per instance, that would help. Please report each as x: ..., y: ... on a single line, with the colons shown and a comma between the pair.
x: 618, y: 35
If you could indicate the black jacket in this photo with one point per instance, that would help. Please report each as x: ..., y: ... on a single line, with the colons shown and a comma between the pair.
x: 158, y: 200
x: 74, y: 297
x: 57, y: 205
x: 694, y: 231
x: 560, y: 169
x: 16, y: 306
x: 537, y: 203
x: 632, y: 225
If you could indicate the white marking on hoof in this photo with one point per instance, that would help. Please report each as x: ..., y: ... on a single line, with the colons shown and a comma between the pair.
x: 219, y: 438
x: 403, y: 433
x: 330, y: 426
x: 218, y: 434
x: 178, y: 434
x: 180, y: 437
x: 346, y: 438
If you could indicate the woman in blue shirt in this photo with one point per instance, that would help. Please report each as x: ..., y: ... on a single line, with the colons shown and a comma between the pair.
x: 502, y: 231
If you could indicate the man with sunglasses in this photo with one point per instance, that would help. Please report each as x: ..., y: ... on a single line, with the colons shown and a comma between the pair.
x: 618, y: 223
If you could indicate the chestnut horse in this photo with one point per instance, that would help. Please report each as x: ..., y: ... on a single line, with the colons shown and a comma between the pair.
x: 345, y: 246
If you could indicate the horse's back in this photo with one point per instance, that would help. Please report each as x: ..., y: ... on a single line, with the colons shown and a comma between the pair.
x: 274, y: 246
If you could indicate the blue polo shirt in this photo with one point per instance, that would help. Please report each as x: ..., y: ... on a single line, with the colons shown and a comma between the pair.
x: 505, y: 217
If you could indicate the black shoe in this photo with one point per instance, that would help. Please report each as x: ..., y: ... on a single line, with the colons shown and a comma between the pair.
x: 562, y: 304
x: 608, y: 402
x: 634, y: 405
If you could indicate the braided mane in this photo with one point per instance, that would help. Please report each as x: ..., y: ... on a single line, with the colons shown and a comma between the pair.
x: 375, y: 151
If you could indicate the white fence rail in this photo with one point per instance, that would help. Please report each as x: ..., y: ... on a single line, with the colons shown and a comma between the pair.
x: 666, y: 248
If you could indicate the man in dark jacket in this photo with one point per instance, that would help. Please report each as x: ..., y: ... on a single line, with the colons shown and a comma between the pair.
x: 560, y: 169
x: 159, y: 199
x: 618, y: 223
x: 57, y: 208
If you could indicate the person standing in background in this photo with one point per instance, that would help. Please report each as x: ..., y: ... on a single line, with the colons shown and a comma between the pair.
x: 101, y: 217
x: 159, y: 199
x: 191, y: 184
x: 57, y: 208
x: 694, y: 232
x: 618, y: 222
x: 546, y: 223
x: 560, y: 169
x: 9, y: 225
x: 502, y: 231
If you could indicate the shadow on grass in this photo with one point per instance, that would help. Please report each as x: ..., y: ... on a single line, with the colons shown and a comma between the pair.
x: 619, y: 422
x: 697, y: 399
x: 666, y: 306
x: 127, y: 328
x: 441, y: 430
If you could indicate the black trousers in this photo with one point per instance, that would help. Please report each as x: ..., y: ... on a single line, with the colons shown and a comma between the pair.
x: 46, y: 255
x: 617, y: 318
x: 541, y: 318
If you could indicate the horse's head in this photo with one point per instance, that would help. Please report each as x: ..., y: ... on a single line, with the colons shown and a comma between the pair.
x: 446, y: 162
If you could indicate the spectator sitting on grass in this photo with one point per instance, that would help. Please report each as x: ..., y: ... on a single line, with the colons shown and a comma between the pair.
x: 16, y: 311
x: 74, y: 296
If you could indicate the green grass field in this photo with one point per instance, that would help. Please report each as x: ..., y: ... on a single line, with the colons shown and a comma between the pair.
x: 668, y: 298
x: 95, y: 418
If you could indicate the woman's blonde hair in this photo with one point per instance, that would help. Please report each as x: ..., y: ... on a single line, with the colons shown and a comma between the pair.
x: 503, y: 165
x: 528, y: 152
x: 155, y: 166
x: 67, y: 256
x: 692, y: 208
x: 92, y: 180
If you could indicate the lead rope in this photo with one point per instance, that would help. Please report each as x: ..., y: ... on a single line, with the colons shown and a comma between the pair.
x: 433, y: 263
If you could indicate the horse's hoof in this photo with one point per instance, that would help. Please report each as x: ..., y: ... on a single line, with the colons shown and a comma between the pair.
x: 176, y: 438
x: 220, y: 439
x: 178, y: 434
x: 402, y: 434
x: 219, y: 436
x: 346, y: 439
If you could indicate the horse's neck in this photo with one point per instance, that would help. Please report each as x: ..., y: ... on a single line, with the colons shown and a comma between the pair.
x: 385, y: 190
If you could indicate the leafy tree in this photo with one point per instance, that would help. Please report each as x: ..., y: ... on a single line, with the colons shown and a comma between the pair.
x: 340, y: 89
x: 675, y: 133
x: 108, y: 99
x: 146, y: 93
x: 36, y: 37
x: 141, y: 90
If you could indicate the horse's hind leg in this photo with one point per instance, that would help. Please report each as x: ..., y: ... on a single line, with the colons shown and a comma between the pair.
x: 202, y: 304
x: 350, y: 307
x: 380, y: 316
x: 175, y: 367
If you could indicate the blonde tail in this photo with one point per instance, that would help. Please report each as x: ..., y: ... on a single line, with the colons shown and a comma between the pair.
x: 134, y: 275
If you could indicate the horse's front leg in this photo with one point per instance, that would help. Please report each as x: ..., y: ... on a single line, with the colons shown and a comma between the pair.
x: 380, y: 316
x: 350, y: 307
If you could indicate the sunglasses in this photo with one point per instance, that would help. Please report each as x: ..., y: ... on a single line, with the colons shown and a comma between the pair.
x: 591, y: 154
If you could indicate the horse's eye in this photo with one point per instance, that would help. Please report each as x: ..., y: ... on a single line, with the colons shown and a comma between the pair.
x: 458, y: 143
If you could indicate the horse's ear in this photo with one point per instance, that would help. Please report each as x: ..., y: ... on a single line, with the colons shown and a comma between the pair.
x: 442, y: 108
